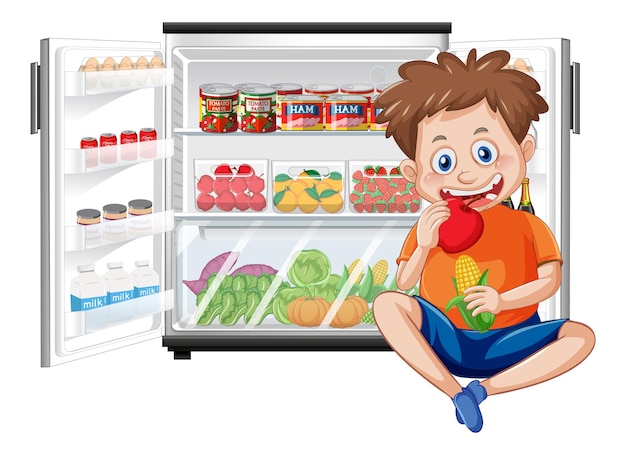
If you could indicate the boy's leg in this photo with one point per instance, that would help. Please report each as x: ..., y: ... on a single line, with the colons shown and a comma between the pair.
x: 574, y: 343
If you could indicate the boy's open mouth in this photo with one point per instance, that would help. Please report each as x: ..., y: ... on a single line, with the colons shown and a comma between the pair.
x: 482, y: 196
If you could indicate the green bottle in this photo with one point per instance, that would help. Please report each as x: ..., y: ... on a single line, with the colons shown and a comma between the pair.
x: 508, y: 202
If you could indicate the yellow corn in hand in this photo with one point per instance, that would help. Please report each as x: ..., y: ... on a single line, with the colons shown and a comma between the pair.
x: 359, y: 266
x: 379, y: 272
x: 467, y: 273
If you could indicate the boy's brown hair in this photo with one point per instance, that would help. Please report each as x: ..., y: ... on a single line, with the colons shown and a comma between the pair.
x: 428, y: 87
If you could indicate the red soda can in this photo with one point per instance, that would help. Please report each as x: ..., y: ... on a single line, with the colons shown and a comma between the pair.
x: 148, y: 146
x: 108, y: 151
x: 128, y: 147
x: 90, y: 144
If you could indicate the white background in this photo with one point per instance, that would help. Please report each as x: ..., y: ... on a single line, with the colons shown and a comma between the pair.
x: 139, y: 400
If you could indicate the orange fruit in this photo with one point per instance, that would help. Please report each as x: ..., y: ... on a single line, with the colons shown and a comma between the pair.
x: 332, y: 204
x: 298, y: 186
x: 335, y: 184
x: 306, y: 203
x: 288, y: 202
x: 279, y: 186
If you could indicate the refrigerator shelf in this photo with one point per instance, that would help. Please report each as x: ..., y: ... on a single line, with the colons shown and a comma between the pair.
x: 79, y: 83
x: 79, y: 237
x: 80, y: 161
x: 279, y: 133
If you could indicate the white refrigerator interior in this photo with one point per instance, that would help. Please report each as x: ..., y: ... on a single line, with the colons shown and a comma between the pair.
x: 314, y: 209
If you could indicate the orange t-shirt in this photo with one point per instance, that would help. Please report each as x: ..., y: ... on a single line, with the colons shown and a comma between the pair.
x: 513, y: 244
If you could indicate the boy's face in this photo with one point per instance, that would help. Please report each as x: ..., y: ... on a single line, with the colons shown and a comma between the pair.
x: 468, y: 154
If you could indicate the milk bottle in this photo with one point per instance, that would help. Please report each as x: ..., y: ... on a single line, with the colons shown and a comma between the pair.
x: 119, y: 292
x: 146, y: 282
x: 88, y: 292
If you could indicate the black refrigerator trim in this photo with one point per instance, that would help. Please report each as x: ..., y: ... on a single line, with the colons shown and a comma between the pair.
x: 308, y: 27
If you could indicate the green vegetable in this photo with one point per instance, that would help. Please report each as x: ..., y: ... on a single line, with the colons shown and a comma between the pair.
x: 311, y: 268
x: 326, y: 292
x: 239, y: 282
x: 282, y: 299
x: 213, y: 308
x: 254, y: 299
x: 264, y: 282
x: 483, y: 321
x: 231, y: 310
x: 368, y: 318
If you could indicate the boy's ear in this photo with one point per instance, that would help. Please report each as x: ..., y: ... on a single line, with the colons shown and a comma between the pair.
x: 408, y: 168
x: 528, y: 147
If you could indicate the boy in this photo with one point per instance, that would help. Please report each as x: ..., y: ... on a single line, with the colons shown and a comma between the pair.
x: 464, y: 130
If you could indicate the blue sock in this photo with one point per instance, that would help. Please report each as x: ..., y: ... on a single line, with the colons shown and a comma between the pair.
x: 466, y: 403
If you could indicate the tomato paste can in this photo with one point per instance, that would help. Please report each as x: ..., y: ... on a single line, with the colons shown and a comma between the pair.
x: 302, y: 113
x: 148, y: 145
x: 283, y: 90
x: 346, y: 112
x: 218, y: 108
x: 258, y: 109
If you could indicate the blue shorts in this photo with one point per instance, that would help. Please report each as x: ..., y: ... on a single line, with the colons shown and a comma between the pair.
x: 471, y: 354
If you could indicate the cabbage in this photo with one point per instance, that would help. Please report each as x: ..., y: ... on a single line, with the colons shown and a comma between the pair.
x: 311, y: 268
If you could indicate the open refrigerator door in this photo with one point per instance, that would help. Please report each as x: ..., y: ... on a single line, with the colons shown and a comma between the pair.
x: 103, y: 145
x: 289, y: 206
x: 548, y: 171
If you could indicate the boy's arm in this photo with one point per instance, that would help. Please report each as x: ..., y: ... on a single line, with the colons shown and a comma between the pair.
x: 485, y: 298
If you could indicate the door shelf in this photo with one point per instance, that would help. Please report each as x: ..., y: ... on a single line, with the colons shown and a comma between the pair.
x: 79, y: 83
x: 78, y: 238
x: 81, y: 161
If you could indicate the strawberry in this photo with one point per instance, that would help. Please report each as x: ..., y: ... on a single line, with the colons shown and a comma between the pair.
x: 359, y: 188
x: 391, y: 207
x: 383, y: 185
x: 367, y: 199
x: 412, y: 188
x: 369, y: 170
x: 371, y: 186
x: 401, y: 207
x: 356, y: 198
x: 357, y: 176
x: 381, y: 207
x: 413, y: 207
x: 369, y: 208
x: 395, y: 170
x: 381, y: 170
x: 359, y: 207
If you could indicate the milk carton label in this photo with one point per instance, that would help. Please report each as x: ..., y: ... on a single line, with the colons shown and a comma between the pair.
x: 89, y: 303
x: 146, y: 290
x: 120, y: 296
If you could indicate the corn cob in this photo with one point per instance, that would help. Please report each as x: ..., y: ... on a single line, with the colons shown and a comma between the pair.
x: 467, y: 273
x: 359, y: 266
x: 379, y: 272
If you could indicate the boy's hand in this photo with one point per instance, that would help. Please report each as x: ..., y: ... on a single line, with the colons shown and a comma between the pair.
x: 428, y: 225
x: 483, y: 299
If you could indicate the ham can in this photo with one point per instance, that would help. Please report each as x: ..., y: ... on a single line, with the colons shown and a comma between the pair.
x: 302, y: 113
x: 346, y: 113
x: 374, y: 113
x: 218, y: 108
x: 258, y: 109
x: 283, y: 90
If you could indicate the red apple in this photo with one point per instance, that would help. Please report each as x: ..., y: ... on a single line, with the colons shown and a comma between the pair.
x: 245, y: 170
x: 221, y: 184
x: 223, y: 170
x: 205, y: 202
x: 257, y: 202
x: 205, y: 184
x: 462, y: 229
x: 225, y: 201
x: 256, y: 184
x: 243, y: 201
x: 238, y: 185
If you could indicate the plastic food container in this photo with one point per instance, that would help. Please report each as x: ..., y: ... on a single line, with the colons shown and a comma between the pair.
x: 230, y: 186
x: 380, y: 188
x: 312, y: 187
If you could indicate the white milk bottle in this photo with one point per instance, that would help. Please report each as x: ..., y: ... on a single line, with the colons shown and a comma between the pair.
x: 88, y: 292
x: 146, y: 283
x: 120, y: 292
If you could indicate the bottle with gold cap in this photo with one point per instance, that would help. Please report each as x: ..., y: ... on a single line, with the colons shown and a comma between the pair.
x: 508, y: 202
x: 525, y: 202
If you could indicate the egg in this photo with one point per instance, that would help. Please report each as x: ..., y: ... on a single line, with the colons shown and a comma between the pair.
x: 125, y: 64
x: 108, y: 64
x: 156, y: 62
x: 142, y: 63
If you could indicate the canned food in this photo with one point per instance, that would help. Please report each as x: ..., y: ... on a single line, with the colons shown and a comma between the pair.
x: 90, y: 145
x: 147, y: 134
x: 108, y: 139
x: 374, y: 112
x: 365, y: 90
x: 88, y: 216
x: 218, y: 108
x: 108, y: 149
x: 258, y: 109
x: 114, y: 211
x: 346, y: 112
x: 128, y: 137
x: 140, y: 207
x: 302, y: 112
x: 323, y: 90
x: 283, y: 90
x: 128, y: 145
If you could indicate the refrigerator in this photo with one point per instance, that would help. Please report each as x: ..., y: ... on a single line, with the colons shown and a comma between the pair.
x: 244, y: 204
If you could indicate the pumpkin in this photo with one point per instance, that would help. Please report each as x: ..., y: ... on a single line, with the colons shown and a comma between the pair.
x: 350, y: 313
x: 307, y: 311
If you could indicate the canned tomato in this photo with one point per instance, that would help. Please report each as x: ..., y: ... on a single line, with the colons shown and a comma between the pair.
x: 148, y: 145
x: 323, y: 90
x: 283, y: 90
x: 218, y: 108
x: 374, y: 113
x: 302, y: 112
x: 258, y: 109
x: 346, y: 112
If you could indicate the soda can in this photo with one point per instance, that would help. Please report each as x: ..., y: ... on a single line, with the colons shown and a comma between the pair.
x: 90, y: 145
x: 148, y: 145
x: 128, y: 141
x: 108, y: 151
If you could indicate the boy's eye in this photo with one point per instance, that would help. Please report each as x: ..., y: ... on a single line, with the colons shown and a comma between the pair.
x: 484, y: 152
x: 444, y: 161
